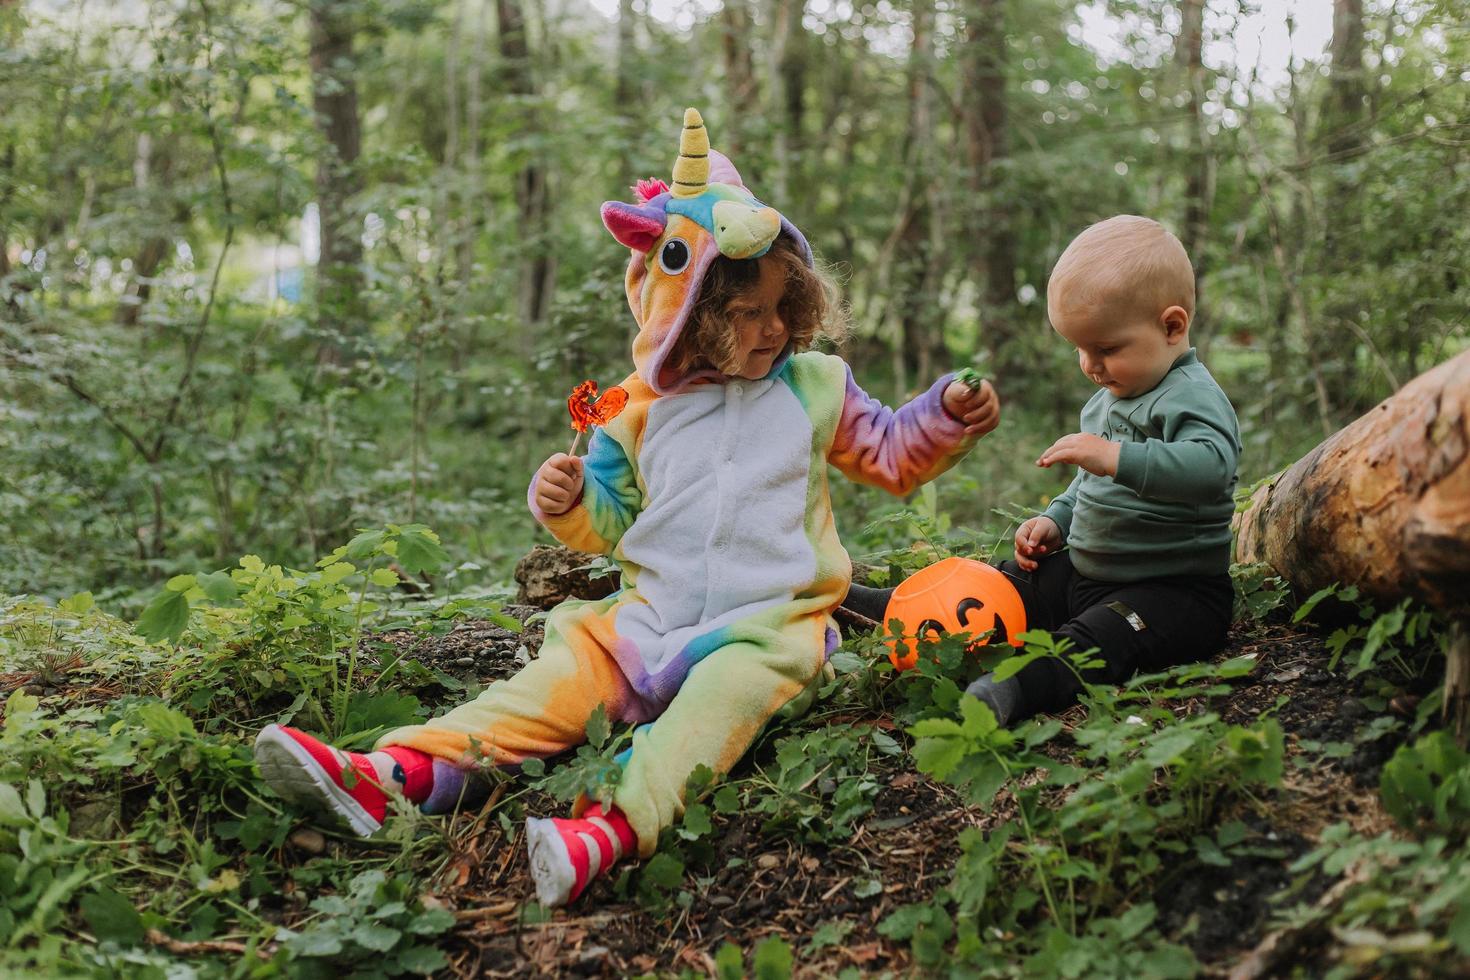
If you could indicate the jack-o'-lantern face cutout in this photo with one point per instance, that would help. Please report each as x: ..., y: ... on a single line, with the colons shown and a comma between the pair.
x: 954, y: 596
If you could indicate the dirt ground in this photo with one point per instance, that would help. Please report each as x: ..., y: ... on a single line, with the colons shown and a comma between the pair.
x: 767, y: 887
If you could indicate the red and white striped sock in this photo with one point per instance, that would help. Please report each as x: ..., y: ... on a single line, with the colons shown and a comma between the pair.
x: 566, y: 854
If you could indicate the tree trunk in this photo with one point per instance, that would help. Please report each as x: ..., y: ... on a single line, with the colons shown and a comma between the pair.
x: 740, y: 87
x: 786, y: 77
x: 1189, y: 54
x: 984, y: 67
x: 625, y: 90
x: 533, y: 196
x: 920, y: 329
x: 1342, y: 123
x: 334, y: 97
x: 1383, y: 505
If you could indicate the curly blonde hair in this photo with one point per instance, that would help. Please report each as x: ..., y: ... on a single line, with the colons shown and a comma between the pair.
x: 811, y: 308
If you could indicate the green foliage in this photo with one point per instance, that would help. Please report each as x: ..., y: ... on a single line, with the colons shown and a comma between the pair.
x: 1380, y: 636
x: 821, y: 784
x: 592, y: 770
x: 41, y: 868
x: 262, y: 633
x: 1428, y: 784
x: 1259, y: 591
x: 1089, y: 836
x: 378, y: 926
x: 1402, y: 906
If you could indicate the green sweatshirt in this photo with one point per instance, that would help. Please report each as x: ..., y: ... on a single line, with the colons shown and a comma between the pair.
x: 1168, y: 509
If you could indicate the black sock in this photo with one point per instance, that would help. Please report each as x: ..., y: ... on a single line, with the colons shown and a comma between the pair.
x: 1005, y: 698
x: 867, y: 602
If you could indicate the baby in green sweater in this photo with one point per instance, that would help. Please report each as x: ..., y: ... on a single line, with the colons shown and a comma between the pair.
x: 1134, y: 558
x: 1146, y: 522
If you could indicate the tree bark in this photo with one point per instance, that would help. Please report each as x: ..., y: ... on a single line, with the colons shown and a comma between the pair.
x: 334, y: 97
x: 1384, y: 505
x: 1189, y: 53
x: 533, y: 195
x: 920, y: 336
x: 740, y: 86
x: 984, y: 66
x: 1342, y: 137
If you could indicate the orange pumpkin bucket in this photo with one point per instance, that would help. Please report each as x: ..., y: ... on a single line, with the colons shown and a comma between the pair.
x: 953, y: 596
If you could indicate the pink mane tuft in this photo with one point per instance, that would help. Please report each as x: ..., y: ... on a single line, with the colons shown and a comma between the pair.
x: 648, y: 189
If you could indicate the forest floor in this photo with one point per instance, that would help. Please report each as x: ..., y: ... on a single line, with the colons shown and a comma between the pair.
x: 822, y: 900
x: 817, y: 848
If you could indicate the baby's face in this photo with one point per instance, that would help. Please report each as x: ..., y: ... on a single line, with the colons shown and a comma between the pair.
x: 1128, y: 355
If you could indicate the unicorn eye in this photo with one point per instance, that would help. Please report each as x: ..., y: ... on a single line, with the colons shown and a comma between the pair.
x: 673, y: 258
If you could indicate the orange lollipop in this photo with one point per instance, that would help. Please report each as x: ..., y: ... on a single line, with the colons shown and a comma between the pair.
x: 588, y: 410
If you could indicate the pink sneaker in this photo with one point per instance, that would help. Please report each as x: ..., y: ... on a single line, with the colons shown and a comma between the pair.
x: 309, y: 772
x: 567, y: 854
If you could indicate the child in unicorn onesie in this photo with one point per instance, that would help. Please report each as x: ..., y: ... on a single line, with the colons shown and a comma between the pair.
x: 710, y: 491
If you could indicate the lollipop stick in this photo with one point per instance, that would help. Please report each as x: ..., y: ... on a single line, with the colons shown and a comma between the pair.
x: 576, y: 441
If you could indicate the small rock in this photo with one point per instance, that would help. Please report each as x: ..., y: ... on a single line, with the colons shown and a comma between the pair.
x: 465, y: 662
x: 308, y: 840
x: 1404, y: 705
x: 721, y: 901
x: 768, y: 861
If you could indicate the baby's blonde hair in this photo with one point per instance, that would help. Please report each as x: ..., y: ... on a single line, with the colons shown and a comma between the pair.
x: 1127, y: 265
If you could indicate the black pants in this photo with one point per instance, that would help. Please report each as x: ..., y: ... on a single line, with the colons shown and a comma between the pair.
x: 1144, y: 626
x: 1138, y: 627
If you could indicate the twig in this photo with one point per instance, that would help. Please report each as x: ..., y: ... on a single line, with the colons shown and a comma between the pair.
x: 203, y: 946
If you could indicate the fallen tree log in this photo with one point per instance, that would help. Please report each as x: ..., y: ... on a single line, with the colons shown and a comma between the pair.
x: 1384, y: 505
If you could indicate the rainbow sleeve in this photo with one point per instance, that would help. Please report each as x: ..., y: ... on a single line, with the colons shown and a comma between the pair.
x: 610, y: 500
x: 897, y: 450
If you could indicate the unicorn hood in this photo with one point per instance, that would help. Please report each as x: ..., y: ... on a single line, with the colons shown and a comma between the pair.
x: 675, y: 235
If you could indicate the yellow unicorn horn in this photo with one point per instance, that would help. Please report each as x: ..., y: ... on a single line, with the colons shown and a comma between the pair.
x: 691, y: 170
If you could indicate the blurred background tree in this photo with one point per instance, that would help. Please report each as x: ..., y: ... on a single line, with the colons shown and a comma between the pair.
x: 272, y: 270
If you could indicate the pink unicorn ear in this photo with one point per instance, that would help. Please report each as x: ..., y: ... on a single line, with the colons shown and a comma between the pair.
x: 638, y: 228
x: 722, y: 171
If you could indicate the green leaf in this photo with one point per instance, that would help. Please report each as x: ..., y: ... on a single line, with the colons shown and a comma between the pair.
x: 12, y: 811
x: 729, y: 963
x: 78, y: 604
x: 337, y: 571
x: 598, y: 727
x: 180, y: 583
x: 773, y: 959
x: 384, y: 578
x: 113, y: 917
x: 727, y: 800
x: 419, y: 550
x: 165, y: 618
x: 422, y: 960
x: 376, y: 937
x: 664, y: 870
x: 867, y: 888
x: 696, y: 822
x: 219, y: 587
x: 938, y: 757
x: 364, y: 545
x: 315, y: 942
x: 36, y: 798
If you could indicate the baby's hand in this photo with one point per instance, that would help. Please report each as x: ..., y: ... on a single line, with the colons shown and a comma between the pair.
x: 558, y: 484
x: 1038, y: 536
x: 1093, y: 453
x: 978, y: 408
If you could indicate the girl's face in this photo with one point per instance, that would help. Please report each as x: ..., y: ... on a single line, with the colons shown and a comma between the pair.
x: 755, y: 316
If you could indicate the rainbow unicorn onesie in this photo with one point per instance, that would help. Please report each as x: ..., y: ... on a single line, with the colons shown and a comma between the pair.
x: 711, y: 494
